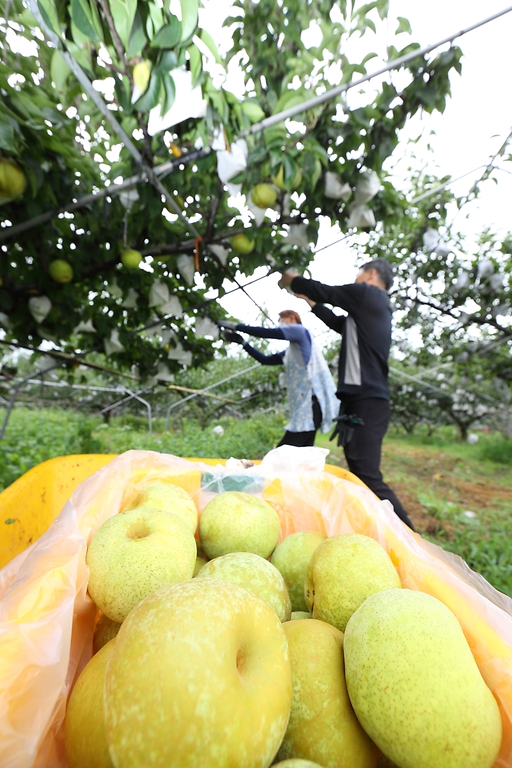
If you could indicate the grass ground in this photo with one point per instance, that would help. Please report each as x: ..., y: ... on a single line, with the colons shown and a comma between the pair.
x: 439, y: 479
x: 455, y: 496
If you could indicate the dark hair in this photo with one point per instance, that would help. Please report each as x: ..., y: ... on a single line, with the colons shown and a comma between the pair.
x: 291, y: 313
x: 384, y: 270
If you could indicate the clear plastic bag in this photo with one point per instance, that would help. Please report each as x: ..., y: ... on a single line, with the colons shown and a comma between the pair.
x: 47, y: 619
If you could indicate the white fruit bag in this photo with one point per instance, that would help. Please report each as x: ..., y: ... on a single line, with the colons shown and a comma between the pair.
x: 47, y: 618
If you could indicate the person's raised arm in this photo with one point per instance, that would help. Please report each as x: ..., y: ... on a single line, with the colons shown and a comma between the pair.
x: 327, y: 316
x: 260, y: 332
x: 276, y: 359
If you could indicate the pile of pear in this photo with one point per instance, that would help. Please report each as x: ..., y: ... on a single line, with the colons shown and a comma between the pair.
x: 220, y: 643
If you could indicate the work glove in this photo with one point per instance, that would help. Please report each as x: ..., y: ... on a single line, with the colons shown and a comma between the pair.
x: 226, y: 324
x: 232, y: 336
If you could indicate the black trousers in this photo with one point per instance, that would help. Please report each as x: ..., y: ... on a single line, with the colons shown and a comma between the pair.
x: 362, y: 444
x: 303, y: 439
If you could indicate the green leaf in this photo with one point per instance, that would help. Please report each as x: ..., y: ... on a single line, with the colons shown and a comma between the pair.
x: 167, y: 61
x: 6, y: 135
x: 169, y: 35
x: 150, y: 98
x: 123, y: 13
x: 189, y: 18
x: 49, y: 14
x: 287, y: 100
x: 137, y: 38
x: 196, y: 63
x: 59, y: 70
x: 169, y: 93
x: 253, y: 111
x: 383, y: 8
x: 210, y: 44
x: 403, y: 26
x: 81, y: 16
x: 156, y: 16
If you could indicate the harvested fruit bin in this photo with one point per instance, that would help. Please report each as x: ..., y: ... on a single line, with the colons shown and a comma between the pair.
x: 47, y: 618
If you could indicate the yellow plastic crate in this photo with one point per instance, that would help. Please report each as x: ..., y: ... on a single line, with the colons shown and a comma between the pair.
x: 31, y: 503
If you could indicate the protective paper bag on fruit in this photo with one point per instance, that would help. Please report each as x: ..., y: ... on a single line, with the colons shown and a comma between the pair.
x: 47, y: 619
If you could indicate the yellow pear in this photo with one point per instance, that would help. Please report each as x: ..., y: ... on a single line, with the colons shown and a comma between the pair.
x: 415, y: 686
x: 235, y: 521
x: 322, y: 726
x: 291, y: 557
x: 168, y: 498
x: 84, y: 728
x: 255, y: 574
x: 133, y: 554
x: 343, y: 572
x: 200, y: 676
x: 200, y: 561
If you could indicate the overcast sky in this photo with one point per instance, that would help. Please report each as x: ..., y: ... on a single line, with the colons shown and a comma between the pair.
x: 475, y: 123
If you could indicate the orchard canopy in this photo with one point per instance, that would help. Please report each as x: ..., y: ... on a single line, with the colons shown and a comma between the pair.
x: 75, y: 280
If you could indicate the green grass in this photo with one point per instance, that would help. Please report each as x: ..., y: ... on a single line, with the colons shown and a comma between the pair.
x: 437, y: 477
x: 442, y: 477
x: 34, y: 436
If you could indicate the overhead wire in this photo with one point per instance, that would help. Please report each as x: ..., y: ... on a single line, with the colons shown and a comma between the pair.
x: 152, y: 174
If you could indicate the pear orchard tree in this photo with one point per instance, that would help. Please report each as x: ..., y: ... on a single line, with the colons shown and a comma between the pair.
x: 89, y: 280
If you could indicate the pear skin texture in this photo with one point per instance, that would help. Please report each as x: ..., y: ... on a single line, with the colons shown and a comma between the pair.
x: 415, y: 686
x: 300, y: 615
x: 296, y: 763
x: 201, y: 677
x: 105, y: 630
x: 343, y: 572
x: 291, y: 557
x: 238, y: 522
x: 84, y: 728
x: 134, y: 553
x: 200, y: 561
x: 255, y: 574
x: 322, y: 726
x: 168, y: 498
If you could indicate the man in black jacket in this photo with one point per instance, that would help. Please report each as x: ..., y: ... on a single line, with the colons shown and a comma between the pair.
x: 363, y: 365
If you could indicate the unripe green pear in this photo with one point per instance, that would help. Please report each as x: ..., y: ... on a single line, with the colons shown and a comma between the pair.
x: 343, y: 572
x: 130, y: 258
x: 278, y: 179
x: 12, y: 179
x: 61, y: 271
x: 264, y: 195
x: 241, y: 244
x: 415, y: 686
